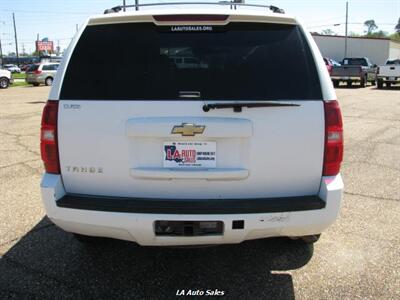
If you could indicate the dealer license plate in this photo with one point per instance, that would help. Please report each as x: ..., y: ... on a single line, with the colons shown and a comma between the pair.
x: 190, y: 154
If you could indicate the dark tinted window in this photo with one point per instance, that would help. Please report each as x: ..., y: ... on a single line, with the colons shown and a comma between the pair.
x: 393, y: 62
x: 355, y: 62
x: 47, y: 68
x: 238, y: 61
x: 33, y: 68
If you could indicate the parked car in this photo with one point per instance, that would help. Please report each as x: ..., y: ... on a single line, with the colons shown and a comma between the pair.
x: 41, y: 73
x: 24, y: 68
x: 388, y: 74
x: 12, y: 68
x: 5, y: 79
x: 330, y: 63
x: 212, y: 153
x: 354, y: 69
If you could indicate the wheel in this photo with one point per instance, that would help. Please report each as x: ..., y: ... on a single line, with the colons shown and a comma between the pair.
x: 4, y: 83
x: 48, y: 81
x: 336, y: 83
x: 310, y: 239
x: 388, y: 84
x: 36, y: 84
x: 90, y: 240
x: 363, y: 82
x: 380, y: 84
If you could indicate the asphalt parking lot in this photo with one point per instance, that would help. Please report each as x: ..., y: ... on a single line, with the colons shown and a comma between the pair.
x: 358, y: 257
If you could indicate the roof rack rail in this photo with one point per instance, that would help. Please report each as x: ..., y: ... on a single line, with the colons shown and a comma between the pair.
x: 232, y: 4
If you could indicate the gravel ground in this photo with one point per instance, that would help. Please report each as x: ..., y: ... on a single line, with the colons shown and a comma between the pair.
x: 358, y: 257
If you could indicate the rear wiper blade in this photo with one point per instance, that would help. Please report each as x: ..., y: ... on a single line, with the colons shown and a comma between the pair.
x: 237, y: 106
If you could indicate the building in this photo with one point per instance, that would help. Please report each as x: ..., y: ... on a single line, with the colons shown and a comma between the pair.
x: 378, y: 50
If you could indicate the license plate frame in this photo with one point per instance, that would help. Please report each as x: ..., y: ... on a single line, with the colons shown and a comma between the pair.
x: 190, y: 154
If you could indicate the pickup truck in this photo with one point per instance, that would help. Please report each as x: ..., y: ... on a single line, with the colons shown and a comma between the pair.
x: 168, y: 152
x: 5, y: 79
x: 354, y: 70
x: 388, y: 74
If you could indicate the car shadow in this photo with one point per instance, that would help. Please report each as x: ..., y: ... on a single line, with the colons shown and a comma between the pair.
x: 385, y: 88
x: 49, y: 263
x: 350, y: 87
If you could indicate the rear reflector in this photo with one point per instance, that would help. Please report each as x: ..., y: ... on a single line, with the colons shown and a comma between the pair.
x: 333, y: 155
x: 190, y: 18
x: 48, y: 138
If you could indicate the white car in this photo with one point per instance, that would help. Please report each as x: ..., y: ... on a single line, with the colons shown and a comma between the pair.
x: 5, y: 79
x: 12, y: 68
x: 219, y: 152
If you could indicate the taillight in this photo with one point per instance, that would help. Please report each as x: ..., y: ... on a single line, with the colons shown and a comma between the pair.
x: 333, y: 154
x: 37, y: 72
x: 48, y: 138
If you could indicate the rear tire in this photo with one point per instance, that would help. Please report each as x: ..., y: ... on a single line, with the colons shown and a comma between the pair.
x: 48, y: 81
x: 310, y: 239
x: 4, y: 83
x: 363, y: 82
x: 336, y: 83
x: 380, y: 84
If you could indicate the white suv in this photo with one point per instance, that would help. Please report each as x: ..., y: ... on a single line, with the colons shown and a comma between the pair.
x: 226, y: 149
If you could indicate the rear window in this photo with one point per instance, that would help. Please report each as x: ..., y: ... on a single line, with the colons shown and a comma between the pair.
x: 355, y: 62
x: 33, y: 68
x: 393, y: 62
x: 239, y: 61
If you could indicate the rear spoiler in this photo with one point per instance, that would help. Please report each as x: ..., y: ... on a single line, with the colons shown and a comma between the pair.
x: 233, y: 5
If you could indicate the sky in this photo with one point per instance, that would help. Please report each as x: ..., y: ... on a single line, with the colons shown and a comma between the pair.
x: 57, y: 19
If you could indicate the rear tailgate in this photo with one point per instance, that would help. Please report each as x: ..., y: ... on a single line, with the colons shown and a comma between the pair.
x: 137, y: 127
x: 389, y: 71
x: 343, y: 71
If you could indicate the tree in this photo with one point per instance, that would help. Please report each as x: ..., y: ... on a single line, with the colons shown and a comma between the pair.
x: 397, y: 28
x: 354, y: 34
x: 371, y: 26
x: 379, y: 34
x: 328, y: 32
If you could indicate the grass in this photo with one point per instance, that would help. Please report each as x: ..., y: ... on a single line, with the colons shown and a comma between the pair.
x: 18, y: 75
x: 19, y: 83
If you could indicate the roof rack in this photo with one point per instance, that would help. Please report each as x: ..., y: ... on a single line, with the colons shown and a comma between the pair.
x: 232, y: 4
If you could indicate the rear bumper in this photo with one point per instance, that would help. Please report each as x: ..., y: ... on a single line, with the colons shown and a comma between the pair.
x: 346, y: 78
x: 133, y: 219
x: 35, y: 79
x: 190, y: 206
x: 386, y: 79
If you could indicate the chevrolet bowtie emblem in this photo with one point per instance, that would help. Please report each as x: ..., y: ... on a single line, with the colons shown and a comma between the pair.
x: 188, y: 129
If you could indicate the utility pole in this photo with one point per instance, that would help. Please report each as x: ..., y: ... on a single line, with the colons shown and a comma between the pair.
x: 347, y: 24
x: 37, y: 48
x: 1, y: 54
x: 137, y: 4
x: 123, y: 4
x: 16, y: 41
